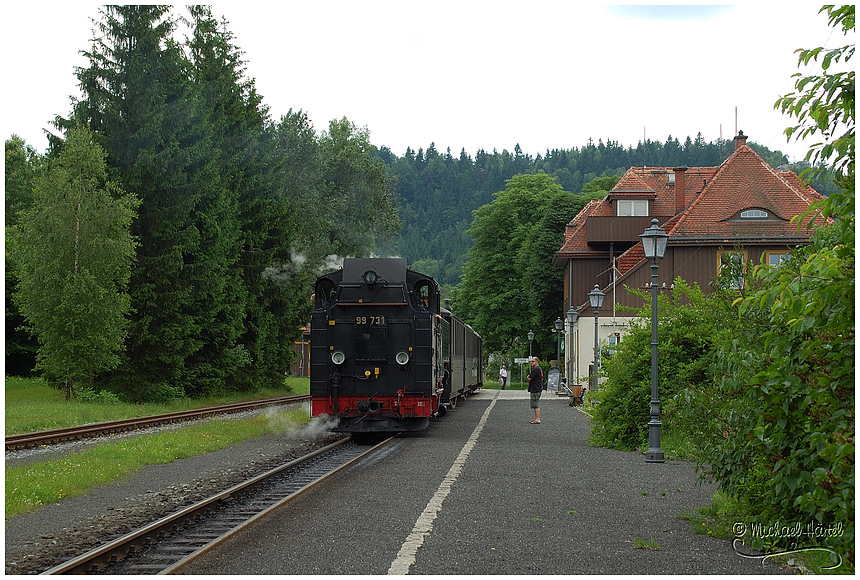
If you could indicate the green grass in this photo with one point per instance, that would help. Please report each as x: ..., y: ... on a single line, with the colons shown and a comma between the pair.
x: 31, y: 486
x: 649, y: 544
x: 32, y: 405
x: 718, y: 518
x: 725, y: 512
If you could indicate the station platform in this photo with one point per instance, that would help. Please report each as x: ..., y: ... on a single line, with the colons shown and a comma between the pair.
x: 484, y: 491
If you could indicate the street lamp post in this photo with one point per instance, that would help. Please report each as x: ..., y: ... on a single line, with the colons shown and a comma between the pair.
x: 595, y: 297
x: 572, y: 315
x: 531, y: 335
x: 559, y: 326
x: 654, y: 241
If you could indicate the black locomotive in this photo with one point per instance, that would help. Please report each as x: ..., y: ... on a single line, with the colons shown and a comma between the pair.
x: 385, y: 355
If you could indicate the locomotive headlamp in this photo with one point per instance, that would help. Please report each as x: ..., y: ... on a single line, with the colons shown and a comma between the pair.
x: 402, y: 358
x: 370, y: 277
x: 337, y: 357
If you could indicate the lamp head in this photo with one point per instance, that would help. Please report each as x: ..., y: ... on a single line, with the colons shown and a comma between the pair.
x: 595, y: 297
x: 654, y: 241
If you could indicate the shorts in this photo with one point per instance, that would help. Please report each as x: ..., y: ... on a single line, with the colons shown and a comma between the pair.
x: 535, y: 399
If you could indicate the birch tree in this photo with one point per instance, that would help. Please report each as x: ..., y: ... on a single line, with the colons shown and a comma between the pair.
x: 74, y: 251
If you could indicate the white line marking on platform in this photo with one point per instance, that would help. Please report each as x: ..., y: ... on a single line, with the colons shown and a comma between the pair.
x: 424, y: 525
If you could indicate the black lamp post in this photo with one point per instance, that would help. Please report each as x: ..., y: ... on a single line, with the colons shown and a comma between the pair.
x: 572, y: 315
x: 531, y: 335
x: 595, y: 297
x: 559, y: 326
x: 654, y: 241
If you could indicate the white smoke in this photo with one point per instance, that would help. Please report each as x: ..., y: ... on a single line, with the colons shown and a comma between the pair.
x: 282, y: 274
x: 331, y: 263
x: 320, y: 425
x: 284, y: 423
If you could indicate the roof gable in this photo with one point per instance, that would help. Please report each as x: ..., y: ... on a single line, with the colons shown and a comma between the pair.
x: 745, y: 181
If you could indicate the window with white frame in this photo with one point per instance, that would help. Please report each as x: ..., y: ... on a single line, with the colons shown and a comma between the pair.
x: 631, y: 207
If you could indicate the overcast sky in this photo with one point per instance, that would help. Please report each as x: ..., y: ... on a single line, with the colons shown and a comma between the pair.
x: 470, y: 74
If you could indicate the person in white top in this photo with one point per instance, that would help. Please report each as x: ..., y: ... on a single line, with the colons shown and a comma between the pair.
x: 503, y: 377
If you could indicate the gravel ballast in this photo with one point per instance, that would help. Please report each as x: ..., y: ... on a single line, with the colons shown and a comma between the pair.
x: 38, y: 540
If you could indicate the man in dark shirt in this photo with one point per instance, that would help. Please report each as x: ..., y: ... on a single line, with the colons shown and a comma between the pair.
x: 535, y: 388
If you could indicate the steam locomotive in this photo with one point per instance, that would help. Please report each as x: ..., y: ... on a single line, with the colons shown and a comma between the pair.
x: 385, y: 355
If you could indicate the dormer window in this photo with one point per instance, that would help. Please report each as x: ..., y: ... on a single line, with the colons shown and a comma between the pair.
x: 754, y: 214
x: 631, y: 207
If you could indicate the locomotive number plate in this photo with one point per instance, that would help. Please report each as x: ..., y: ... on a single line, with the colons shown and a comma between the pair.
x: 370, y: 320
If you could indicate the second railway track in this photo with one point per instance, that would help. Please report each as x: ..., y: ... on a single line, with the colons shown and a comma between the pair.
x: 164, y: 545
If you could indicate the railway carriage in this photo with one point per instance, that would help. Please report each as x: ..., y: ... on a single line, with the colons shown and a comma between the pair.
x: 385, y: 356
x: 461, y: 354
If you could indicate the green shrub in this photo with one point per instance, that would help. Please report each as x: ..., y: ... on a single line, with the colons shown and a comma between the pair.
x: 88, y: 395
x: 687, y: 324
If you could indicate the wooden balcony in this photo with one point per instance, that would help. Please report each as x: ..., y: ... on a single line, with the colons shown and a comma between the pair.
x: 619, y: 230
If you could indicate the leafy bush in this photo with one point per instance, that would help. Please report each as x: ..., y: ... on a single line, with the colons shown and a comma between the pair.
x: 792, y: 451
x: 88, y: 395
x: 688, y: 323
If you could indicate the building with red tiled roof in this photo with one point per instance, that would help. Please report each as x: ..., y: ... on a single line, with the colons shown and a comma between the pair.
x: 742, y: 208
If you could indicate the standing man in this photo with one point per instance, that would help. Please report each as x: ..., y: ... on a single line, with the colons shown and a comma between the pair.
x: 535, y: 388
x: 503, y: 377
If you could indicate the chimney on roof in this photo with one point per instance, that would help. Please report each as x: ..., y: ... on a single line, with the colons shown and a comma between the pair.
x: 740, y: 140
x: 680, y: 189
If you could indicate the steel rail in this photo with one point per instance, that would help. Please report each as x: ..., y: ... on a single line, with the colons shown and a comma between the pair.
x: 127, y: 545
x: 34, y: 439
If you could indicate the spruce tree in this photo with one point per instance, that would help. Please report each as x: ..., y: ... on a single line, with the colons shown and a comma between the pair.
x: 253, y: 168
x: 139, y: 101
x: 229, y: 111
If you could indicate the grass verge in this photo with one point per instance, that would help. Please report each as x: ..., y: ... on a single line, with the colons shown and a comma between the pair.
x: 32, y: 486
x: 34, y: 405
x: 727, y: 517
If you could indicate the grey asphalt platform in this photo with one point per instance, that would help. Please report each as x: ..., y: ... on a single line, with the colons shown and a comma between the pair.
x: 483, y: 491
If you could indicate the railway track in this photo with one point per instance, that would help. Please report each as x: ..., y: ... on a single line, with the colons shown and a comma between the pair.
x: 27, y: 440
x: 165, y: 545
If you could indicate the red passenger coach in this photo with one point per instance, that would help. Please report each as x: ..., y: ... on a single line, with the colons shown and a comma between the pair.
x: 377, y: 358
